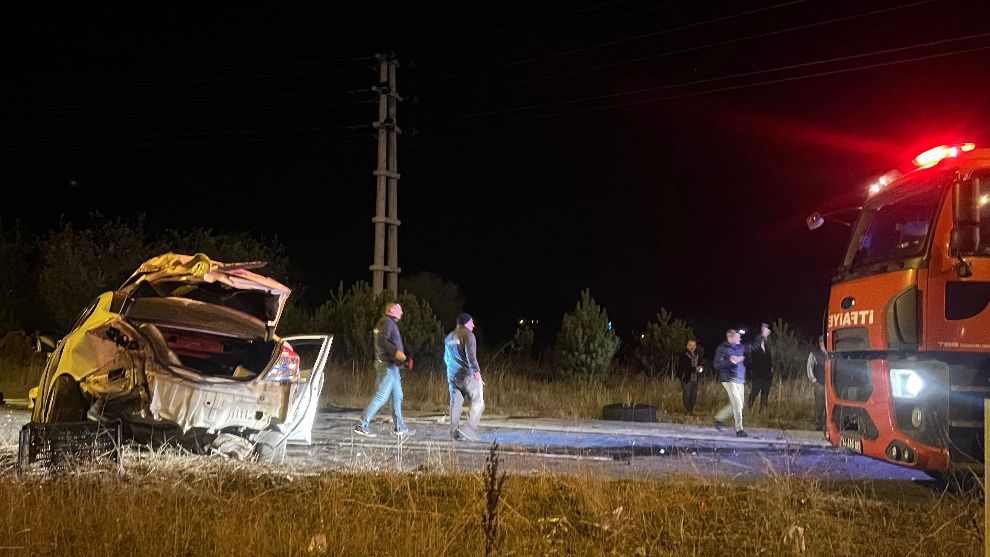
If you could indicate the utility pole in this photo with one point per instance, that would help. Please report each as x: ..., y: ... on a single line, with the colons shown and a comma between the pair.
x: 387, y: 180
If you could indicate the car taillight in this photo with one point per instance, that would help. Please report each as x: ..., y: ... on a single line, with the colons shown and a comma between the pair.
x: 286, y: 367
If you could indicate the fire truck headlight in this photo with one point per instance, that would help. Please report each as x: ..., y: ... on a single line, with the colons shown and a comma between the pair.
x: 905, y: 383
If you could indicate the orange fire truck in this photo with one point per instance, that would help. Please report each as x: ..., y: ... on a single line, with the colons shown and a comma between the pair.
x: 908, y: 322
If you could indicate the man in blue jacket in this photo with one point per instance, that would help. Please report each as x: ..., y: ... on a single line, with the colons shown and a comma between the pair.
x: 464, y: 378
x: 388, y: 355
x: 728, y: 361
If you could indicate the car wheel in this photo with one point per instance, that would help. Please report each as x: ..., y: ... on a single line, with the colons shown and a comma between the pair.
x: 269, y: 447
x: 66, y: 403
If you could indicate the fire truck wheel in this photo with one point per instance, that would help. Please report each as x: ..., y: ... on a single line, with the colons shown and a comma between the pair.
x: 957, y: 480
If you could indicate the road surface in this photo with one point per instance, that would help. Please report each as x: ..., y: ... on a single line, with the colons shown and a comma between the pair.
x: 616, y: 449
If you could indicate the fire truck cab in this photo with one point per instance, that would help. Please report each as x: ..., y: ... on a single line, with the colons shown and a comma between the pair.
x: 908, y: 318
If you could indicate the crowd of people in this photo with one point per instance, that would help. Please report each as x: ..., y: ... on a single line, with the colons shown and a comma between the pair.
x: 735, y: 363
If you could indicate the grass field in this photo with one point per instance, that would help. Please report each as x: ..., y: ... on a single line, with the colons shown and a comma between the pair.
x: 164, y: 504
x: 200, y: 506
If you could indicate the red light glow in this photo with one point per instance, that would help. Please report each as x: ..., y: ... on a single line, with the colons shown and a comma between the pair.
x: 933, y: 156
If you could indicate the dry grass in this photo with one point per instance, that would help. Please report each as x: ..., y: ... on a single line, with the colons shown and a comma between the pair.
x: 20, y: 365
x: 201, y: 506
x: 508, y: 392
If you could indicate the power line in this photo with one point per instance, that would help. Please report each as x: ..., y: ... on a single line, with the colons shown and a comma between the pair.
x: 195, y: 100
x: 683, y: 50
x: 189, y: 70
x: 575, y: 27
x: 512, y: 27
x: 727, y: 88
x: 185, y: 81
x: 615, y: 42
x: 711, y: 79
x: 191, y: 112
x: 191, y: 134
x: 180, y: 143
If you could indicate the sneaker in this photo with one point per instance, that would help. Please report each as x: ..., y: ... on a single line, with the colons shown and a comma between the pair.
x: 719, y: 425
x: 404, y: 432
x: 741, y: 433
x: 465, y: 435
x: 364, y: 431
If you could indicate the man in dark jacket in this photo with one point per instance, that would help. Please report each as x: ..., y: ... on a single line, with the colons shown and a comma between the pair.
x: 388, y: 355
x: 816, y: 374
x: 688, y: 371
x: 464, y: 378
x: 728, y: 361
x: 759, y: 370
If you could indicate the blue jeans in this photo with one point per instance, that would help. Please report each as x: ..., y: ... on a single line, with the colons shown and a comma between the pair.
x: 389, y: 383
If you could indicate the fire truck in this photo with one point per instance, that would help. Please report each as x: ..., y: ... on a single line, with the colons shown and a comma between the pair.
x: 908, y: 323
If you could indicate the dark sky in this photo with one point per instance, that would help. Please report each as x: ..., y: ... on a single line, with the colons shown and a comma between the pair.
x: 662, y: 156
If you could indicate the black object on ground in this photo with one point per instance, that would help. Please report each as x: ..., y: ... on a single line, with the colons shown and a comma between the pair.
x: 630, y: 413
x: 65, y: 446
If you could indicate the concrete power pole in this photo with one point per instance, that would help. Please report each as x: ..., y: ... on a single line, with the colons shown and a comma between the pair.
x: 387, y: 175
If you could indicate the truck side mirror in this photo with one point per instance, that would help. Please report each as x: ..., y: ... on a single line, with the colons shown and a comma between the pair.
x: 966, y: 218
x: 814, y: 221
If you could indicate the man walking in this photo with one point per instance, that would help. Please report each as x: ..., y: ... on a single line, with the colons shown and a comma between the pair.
x: 816, y: 374
x: 388, y: 355
x: 688, y: 371
x: 760, y: 372
x: 729, y: 357
x: 464, y: 378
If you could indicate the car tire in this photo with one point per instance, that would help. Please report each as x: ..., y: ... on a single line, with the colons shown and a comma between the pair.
x: 66, y: 403
x: 269, y: 447
x: 626, y: 413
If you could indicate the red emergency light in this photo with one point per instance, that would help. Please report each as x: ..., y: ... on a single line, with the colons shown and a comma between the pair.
x: 934, y: 155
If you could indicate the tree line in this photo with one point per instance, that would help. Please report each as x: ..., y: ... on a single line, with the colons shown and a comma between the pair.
x: 45, y: 280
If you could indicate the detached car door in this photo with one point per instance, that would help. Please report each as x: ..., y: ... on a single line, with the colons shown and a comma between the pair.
x: 313, y: 351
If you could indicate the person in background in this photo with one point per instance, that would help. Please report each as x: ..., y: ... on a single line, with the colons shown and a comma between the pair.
x: 816, y: 374
x: 464, y: 379
x: 759, y: 370
x: 728, y: 361
x: 688, y: 371
x: 388, y: 356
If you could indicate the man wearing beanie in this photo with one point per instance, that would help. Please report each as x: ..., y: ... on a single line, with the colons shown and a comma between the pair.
x: 464, y: 378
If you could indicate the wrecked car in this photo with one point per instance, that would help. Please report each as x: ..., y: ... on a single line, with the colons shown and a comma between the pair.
x: 185, y: 351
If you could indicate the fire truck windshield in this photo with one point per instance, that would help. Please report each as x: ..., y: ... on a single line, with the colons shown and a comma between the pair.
x: 896, y: 225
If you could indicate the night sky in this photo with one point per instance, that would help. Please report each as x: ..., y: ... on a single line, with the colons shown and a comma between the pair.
x: 662, y: 154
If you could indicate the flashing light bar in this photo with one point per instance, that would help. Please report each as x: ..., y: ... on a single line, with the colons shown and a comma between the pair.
x: 883, y: 181
x: 935, y: 155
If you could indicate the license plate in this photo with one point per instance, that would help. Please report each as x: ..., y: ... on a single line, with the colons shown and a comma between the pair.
x: 851, y: 443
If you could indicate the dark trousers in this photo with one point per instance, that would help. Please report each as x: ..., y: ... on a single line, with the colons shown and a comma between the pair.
x: 819, y: 407
x: 689, y: 393
x: 760, y: 387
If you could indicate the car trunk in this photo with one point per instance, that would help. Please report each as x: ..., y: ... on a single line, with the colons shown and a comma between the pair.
x: 226, y: 285
x: 211, y: 340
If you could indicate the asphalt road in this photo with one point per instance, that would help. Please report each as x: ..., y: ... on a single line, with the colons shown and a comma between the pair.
x: 527, y: 445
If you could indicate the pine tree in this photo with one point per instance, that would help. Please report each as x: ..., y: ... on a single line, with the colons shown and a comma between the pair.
x: 586, y: 344
x: 662, y: 341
